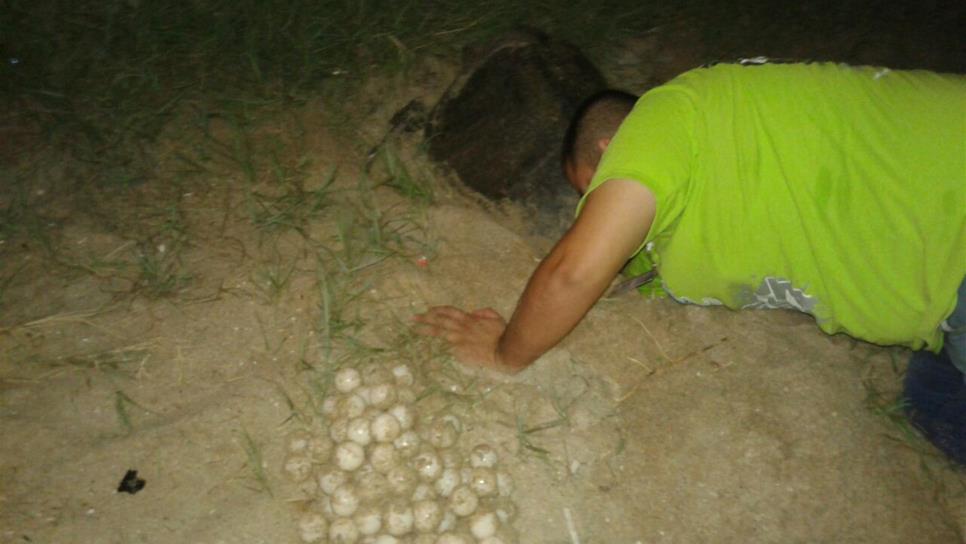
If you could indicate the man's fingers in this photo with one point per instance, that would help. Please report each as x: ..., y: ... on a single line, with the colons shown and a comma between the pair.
x: 443, y: 316
x: 446, y: 311
x: 450, y: 335
x: 488, y: 313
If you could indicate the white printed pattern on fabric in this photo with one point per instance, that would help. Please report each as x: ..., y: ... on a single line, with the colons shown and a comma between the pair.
x: 773, y: 293
x: 776, y: 293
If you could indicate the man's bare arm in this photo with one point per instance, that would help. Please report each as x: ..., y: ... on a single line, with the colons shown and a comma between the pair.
x: 613, y: 223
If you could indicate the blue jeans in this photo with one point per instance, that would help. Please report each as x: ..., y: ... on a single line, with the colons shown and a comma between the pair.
x: 955, y: 328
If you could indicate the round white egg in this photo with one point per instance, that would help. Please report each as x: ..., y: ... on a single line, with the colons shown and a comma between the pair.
x: 483, y: 481
x: 402, y: 480
x: 483, y: 525
x: 504, y: 484
x: 426, y: 515
x: 331, y: 479
x: 343, y: 531
x: 339, y: 429
x: 383, y: 457
x: 428, y: 466
x: 447, y: 523
x: 407, y: 444
x: 402, y: 375
x: 463, y: 501
x: 345, y: 500
x: 313, y: 527
x: 423, y: 492
x: 368, y: 520
x: 404, y: 415
x: 399, y: 519
x: 357, y: 430
x: 349, y: 456
x: 448, y: 479
x: 382, y: 396
x: 372, y: 486
x: 443, y: 433
x: 483, y: 455
x: 320, y: 448
x: 298, y: 467
x: 347, y: 379
x: 385, y: 428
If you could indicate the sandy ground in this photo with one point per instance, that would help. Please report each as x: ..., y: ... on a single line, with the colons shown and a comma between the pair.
x: 654, y: 422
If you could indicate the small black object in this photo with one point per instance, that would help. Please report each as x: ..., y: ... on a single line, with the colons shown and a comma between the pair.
x: 130, y: 483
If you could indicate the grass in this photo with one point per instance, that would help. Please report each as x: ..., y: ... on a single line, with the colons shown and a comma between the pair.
x: 253, y: 455
x: 130, y: 94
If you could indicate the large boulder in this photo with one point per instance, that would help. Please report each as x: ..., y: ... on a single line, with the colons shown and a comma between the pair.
x: 501, y: 124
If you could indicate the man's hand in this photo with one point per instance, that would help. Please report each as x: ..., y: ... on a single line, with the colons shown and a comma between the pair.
x: 612, y: 225
x: 474, y: 337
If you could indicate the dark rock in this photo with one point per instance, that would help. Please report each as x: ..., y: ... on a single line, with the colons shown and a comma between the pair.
x: 501, y: 124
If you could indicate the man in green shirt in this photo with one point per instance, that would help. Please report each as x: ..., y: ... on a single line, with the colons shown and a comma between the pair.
x: 832, y: 190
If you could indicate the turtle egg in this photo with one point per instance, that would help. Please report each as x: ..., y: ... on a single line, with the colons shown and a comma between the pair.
x: 352, y: 406
x: 447, y: 523
x: 308, y: 487
x: 298, y: 467
x: 423, y: 492
x: 426, y: 515
x: 385, y: 539
x: 407, y: 444
x: 338, y: 430
x: 357, y: 430
x: 330, y: 405
x: 377, y: 375
x: 483, y: 481
x: 425, y: 538
x: 402, y: 375
x: 349, y: 456
x: 402, y: 480
x: 372, y: 485
x: 382, y: 396
x: 451, y: 538
x: 428, y: 466
x: 399, y: 519
x: 331, y: 479
x: 383, y: 457
x: 483, y: 455
x: 492, y: 540
x: 443, y: 433
x: 298, y: 442
x: 325, y: 506
x: 385, y: 428
x: 368, y: 520
x: 404, y: 415
x: 343, y: 531
x: 504, y: 484
x: 345, y: 500
x: 463, y: 501
x: 312, y: 527
x: 447, y: 482
x: 319, y: 448
x: 363, y: 393
x: 451, y: 458
x: 483, y: 525
x: 347, y: 379
x: 405, y: 394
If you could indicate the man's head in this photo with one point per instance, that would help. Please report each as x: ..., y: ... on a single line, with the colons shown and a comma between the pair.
x: 591, y: 129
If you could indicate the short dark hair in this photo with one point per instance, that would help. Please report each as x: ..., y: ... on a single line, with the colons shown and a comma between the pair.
x: 596, y: 118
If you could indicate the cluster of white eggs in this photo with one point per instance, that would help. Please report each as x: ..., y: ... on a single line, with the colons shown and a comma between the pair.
x: 380, y: 474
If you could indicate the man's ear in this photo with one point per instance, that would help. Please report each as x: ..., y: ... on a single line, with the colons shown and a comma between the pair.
x: 602, y: 144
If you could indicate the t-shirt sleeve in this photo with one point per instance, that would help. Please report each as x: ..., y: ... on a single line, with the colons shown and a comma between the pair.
x: 653, y: 146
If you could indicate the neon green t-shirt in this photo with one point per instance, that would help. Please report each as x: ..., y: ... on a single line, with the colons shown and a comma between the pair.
x: 834, y: 190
